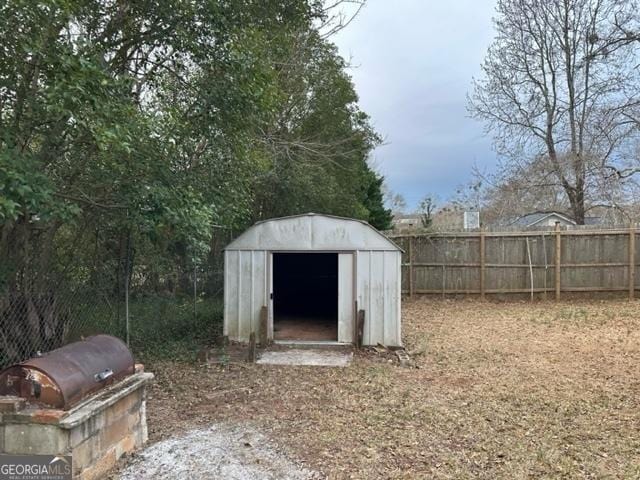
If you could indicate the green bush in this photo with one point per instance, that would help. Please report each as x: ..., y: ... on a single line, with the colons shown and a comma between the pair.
x: 159, y: 327
x: 169, y: 328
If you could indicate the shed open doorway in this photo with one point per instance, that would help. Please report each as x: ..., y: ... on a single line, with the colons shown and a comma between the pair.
x: 305, y: 296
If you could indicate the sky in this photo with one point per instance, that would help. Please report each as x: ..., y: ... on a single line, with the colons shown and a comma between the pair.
x: 412, y: 62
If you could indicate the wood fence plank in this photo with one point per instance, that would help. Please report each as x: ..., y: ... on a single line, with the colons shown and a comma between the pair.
x: 482, y: 263
x: 558, y: 261
x: 632, y: 262
x: 483, y: 252
x: 411, y: 266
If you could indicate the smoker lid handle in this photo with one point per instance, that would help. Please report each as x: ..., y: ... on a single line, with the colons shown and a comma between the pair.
x: 102, y: 376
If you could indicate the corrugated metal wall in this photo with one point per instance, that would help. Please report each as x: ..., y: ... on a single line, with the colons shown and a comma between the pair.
x: 377, y: 269
x: 378, y: 293
x: 346, y: 298
x: 245, y: 292
x: 378, y: 286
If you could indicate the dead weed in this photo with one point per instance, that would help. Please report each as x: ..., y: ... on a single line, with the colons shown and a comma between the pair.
x: 503, y: 390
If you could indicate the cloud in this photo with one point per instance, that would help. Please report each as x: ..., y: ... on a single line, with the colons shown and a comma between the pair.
x: 413, y: 62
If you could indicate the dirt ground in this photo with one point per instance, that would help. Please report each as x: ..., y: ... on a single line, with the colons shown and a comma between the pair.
x: 502, y: 390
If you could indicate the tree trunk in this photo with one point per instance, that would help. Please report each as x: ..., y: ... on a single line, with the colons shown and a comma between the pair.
x: 576, y: 202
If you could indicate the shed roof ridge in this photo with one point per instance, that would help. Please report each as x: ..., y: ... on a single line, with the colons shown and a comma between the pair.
x: 312, y: 214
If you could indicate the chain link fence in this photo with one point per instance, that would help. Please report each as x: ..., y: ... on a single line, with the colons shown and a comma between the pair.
x: 41, y: 311
x: 165, y: 311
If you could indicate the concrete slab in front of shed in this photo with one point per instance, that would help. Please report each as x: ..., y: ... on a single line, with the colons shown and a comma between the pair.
x: 306, y: 357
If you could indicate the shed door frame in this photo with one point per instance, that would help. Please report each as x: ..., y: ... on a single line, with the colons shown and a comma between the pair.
x: 341, y: 313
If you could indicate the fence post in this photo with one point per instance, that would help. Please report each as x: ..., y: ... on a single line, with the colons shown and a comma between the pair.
x: 126, y: 309
x: 127, y: 276
x: 558, y: 262
x: 411, y: 266
x: 632, y: 262
x: 482, y: 263
x: 195, y: 290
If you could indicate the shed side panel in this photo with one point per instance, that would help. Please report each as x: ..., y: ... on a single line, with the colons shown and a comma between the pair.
x: 231, y: 276
x: 379, y: 295
x: 345, y: 298
x: 391, y: 293
x: 259, y: 287
x: 245, y: 292
x: 378, y: 300
x: 364, y: 290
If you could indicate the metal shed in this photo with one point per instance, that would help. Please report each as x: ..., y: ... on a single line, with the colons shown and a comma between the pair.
x: 313, y: 273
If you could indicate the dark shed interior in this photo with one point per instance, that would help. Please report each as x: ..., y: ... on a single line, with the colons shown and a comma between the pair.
x: 305, y: 296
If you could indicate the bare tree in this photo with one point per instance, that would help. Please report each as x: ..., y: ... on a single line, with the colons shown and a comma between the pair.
x: 559, y: 90
x: 427, y: 208
x: 394, y: 201
x: 507, y: 195
x: 338, y: 14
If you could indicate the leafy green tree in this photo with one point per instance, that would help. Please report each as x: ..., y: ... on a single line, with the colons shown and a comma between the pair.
x: 134, y: 129
x: 314, y: 152
x: 379, y: 216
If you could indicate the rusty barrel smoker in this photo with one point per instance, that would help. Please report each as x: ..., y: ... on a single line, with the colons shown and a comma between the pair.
x: 65, y: 376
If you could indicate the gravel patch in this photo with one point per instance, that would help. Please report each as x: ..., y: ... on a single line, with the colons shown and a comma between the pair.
x: 222, y: 451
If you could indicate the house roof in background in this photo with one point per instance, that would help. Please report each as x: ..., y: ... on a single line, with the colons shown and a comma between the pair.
x: 531, y: 219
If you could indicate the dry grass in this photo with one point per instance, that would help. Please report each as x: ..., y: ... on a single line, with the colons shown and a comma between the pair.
x: 509, y: 390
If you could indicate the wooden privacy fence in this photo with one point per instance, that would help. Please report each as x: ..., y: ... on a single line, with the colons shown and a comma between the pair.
x: 533, y: 262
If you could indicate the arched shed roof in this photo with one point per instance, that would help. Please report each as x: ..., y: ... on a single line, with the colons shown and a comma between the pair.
x: 312, y: 231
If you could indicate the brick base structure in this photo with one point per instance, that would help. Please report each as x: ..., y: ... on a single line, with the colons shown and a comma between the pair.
x: 95, y: 433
